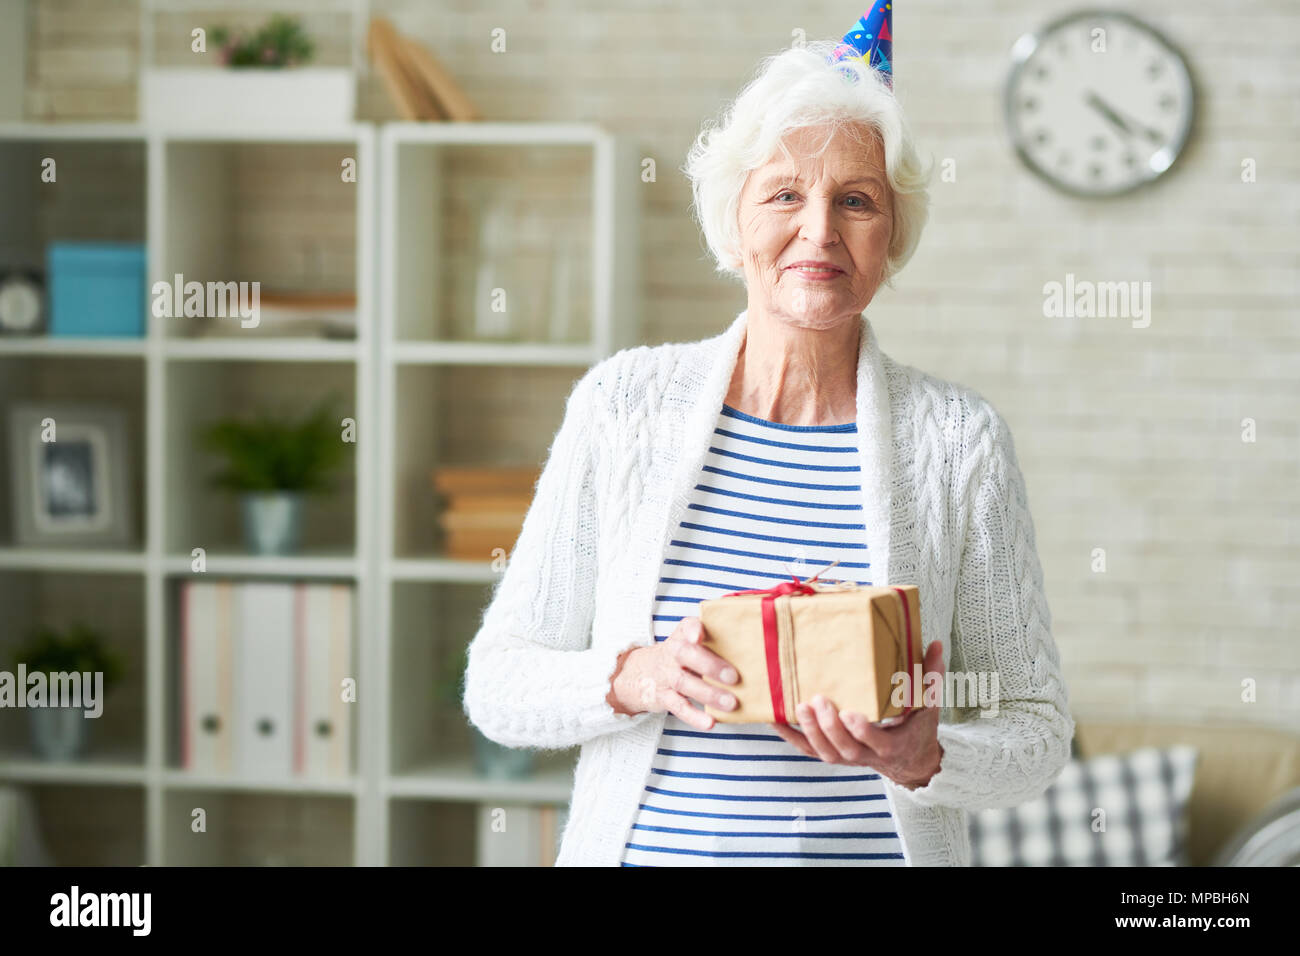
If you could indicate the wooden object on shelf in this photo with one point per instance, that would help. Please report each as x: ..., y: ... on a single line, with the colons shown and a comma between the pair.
x: 405, y: 88
x: 446, y: 92
x: 457, y: 480
x: 329, y: 315
x: 483, y: 507
x: 310, y: 301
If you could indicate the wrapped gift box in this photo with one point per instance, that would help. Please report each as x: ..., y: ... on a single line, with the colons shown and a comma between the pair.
x: 844, y: 641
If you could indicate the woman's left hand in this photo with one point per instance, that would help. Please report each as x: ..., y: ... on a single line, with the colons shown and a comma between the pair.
x: 908, y: 752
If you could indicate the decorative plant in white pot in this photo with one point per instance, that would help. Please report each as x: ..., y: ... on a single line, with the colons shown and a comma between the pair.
x: 263, y: 83
x: 272, y: 463
x: 62, y: 732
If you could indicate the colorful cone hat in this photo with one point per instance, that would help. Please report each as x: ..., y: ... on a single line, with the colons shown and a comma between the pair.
x: 872, y: 39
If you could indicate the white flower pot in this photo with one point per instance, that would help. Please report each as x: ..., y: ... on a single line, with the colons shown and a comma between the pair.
x: 273, y: 522
x: 248, y: 98
x: 59, y: 733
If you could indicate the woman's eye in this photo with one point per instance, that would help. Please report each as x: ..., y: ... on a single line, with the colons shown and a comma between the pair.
x: 781, y: 195
x: 858, y: 200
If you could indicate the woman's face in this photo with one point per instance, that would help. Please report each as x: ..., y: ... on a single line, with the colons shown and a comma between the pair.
x: 815, y: 230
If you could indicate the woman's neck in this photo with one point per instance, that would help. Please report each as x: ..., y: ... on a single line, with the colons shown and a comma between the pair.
x: 797, y: 376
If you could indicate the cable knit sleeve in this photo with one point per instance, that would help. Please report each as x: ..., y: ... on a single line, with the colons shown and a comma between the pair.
x: 534, y: 679
x: 1002, y: 625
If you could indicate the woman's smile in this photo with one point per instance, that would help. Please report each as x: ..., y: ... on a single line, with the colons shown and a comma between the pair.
x: 815, y: 271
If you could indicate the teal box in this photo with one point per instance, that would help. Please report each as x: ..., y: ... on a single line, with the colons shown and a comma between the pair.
x: 96, y: 289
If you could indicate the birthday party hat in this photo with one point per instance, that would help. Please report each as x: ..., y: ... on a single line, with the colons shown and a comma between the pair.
x: 872, y: 39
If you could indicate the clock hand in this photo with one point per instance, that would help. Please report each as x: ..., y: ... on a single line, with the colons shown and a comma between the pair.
x: 1126, y: 125
x: 1095, y: 101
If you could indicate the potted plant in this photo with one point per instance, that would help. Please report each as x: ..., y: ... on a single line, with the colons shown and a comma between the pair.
x: 261, y: 81
x: 490, y: 758
x: 61, y: 733
x: 272, y: 463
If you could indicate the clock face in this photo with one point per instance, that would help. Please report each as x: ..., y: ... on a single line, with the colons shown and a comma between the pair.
x: 20, y: 305
x: 1098, y: 103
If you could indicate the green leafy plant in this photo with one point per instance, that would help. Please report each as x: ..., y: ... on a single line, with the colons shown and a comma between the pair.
x: 77, y: 648
x: 280, y: 42
x: 272, y: 453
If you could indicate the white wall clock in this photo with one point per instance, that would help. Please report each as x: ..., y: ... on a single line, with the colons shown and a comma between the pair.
x: 1098, y: 103
x: 22, y: 304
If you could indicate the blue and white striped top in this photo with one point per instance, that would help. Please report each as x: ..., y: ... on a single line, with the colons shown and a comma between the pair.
x: 772, y: 500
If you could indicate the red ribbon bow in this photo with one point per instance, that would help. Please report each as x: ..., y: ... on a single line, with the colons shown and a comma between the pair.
x: 772, y: 637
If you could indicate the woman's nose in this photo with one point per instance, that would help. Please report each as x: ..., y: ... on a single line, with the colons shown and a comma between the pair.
x: 818, y: 223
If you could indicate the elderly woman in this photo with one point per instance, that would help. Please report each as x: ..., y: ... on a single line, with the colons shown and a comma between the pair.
x: 789, y: 441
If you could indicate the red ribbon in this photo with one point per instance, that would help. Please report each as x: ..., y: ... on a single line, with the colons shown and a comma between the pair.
x: 772, y: 637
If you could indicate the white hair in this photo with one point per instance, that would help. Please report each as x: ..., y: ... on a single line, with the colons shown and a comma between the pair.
x: 797, y: 89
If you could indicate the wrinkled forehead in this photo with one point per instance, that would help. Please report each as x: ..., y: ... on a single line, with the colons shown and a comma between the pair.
x: 845, y: 157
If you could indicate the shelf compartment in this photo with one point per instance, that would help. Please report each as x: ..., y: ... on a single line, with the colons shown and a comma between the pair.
x: 474, y: 834
x: 89, y: 825
x: 279, y: 214
x: 432, y: 741
x: 479, y: 415
x: 199, y: 515
x: 493, y: 243
x: 431, y: 623
x: 112, y: 604
x: 257, y: 829
x: 431, y: 834
x: 63, y: 380
x: 296, y: 696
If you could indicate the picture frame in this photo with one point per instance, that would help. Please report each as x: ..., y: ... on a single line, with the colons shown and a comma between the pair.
x: 72, y: 491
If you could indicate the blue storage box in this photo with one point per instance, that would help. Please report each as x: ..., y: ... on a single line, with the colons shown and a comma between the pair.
x: 97, y: 289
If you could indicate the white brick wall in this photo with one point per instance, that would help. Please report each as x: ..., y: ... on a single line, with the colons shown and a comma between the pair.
x: 1129, y: 438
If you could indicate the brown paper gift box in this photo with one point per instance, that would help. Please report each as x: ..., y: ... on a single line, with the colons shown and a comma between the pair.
x: 843, y: 641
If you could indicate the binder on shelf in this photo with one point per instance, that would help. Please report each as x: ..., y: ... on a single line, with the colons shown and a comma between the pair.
x: 264, y: 684
x: 323, y: 645
x: 207, y: 686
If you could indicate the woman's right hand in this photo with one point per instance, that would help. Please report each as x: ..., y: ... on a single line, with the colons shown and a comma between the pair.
x: 660, y: 676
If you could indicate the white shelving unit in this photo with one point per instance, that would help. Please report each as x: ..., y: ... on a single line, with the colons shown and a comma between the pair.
x: 406, y: 377
x: 581, y: 181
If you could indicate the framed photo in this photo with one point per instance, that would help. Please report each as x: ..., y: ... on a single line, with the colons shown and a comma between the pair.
x: 71, y: 474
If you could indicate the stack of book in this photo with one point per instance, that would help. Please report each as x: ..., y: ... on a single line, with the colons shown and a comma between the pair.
x: 293, y: 314
x: 266, y: 678
x: 482, y: 508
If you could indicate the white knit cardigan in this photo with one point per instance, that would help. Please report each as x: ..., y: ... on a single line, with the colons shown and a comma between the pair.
x: 944, y: 506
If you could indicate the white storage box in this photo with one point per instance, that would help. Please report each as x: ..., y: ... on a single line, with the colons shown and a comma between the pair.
x: 293, y: 98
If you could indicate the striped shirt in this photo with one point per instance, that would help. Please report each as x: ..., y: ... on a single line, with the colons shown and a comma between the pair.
x: 771, y: 500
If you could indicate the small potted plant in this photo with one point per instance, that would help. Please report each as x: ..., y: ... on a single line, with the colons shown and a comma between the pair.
x: 490, y: 758
x: 281, y: 42
x: 273, y: 463
x: 261, y: 80
x: 61, y: 733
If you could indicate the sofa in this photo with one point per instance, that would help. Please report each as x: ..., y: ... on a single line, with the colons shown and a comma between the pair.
x: 1241, y: 771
